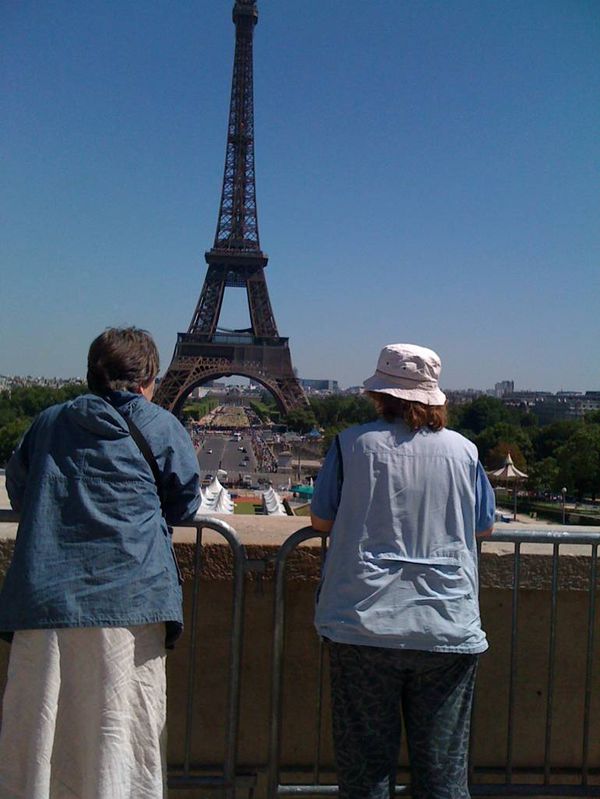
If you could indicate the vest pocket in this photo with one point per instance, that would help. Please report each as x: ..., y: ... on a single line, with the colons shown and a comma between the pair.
x: 430, y: 578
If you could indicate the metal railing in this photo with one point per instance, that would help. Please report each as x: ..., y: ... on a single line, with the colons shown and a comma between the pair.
x: 185, y: 776
x: 224, y: 776
x: 549, y: 781
x: 555, y: 540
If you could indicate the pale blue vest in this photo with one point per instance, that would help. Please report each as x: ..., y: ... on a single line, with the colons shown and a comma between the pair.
x: 401, y: 571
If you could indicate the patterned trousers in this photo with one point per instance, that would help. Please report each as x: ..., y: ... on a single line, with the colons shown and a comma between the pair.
x: 372, y: 690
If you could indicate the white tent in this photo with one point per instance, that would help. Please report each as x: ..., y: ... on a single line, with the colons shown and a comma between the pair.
x: 214, y: 486
x: 272, y: 504
x: 224, y: 503
x: 215, y: 499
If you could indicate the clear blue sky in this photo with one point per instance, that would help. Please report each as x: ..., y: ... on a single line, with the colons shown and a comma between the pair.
x: 427, y: 171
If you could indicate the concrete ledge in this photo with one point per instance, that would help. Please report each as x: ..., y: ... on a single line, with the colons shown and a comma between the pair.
x: 263, y: 535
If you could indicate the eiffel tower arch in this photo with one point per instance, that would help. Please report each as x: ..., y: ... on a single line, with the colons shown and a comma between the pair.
x: 236, y: 260
x: 188, y: 372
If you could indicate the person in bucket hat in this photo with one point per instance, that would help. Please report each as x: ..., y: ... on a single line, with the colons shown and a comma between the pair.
x: 404, y: 499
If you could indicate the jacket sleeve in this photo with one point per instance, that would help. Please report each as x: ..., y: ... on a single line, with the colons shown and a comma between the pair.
x: 17, y: 470
x: 180, y: 476
x: 485, y: 501
x: 328, y: 487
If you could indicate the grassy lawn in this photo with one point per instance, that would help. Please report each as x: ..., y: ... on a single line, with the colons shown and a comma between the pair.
x: 246, y: 508
x: 302, y: 510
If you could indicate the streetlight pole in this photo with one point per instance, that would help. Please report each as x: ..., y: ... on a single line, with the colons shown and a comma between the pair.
x: 563, y: 491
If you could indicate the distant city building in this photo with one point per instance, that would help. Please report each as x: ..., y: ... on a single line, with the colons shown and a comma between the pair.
x: 330, y: 386
x: 529, y: 396
x: 504, y: 387
x: 219, y: 385
x: 462, y: 396
x: 9, y: 382
x: 562, y: 406
x: 198, y: 393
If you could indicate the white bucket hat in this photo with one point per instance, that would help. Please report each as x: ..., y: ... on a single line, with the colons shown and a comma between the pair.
x: 409, y: 372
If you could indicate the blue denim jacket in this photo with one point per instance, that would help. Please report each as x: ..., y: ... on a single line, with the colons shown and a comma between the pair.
x: 93, y: 548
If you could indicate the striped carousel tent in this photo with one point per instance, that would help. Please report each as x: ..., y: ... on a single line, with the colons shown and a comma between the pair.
x: 508, y: 473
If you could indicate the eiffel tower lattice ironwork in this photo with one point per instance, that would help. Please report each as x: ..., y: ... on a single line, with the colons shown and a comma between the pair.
x: 206, y: 351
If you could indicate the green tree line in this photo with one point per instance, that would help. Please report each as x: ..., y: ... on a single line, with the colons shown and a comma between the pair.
x: 554, y: 455
x: 20, y: 406
x: 199, y: 408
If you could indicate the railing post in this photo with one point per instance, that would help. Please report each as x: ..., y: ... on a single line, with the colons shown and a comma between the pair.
x: 585, y: 756
x: 296, y: 538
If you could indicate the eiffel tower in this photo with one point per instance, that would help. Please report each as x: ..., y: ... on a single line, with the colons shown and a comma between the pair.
x: 206, y: 351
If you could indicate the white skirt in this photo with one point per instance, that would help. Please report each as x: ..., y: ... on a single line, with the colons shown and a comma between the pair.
x: 84, y: 714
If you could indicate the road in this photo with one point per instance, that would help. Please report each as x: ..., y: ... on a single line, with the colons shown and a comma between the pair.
x: 221, y: 452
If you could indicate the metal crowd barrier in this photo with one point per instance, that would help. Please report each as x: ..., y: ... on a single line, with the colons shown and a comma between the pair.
x: 226, y: 779
x: 549, y: 779
x: 185, y: 776
x: 548, y: 788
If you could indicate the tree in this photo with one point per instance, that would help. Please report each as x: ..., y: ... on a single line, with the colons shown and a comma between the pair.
x: 544, y: 475
x: 10, y: 434
x: 528, y: 419
x: 496, y: 457
x: 266, y: 413
x: 549, y: 438
x: 342, y: 410
x: 593, y: 417
x: 196, y: 410
x: 21, y: 405
x: 302, y: 420
x: 514, y: 440
x: 579, y: 462
x: 481, y: 413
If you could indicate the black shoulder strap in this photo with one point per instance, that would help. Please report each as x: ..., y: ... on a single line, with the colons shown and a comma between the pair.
x: 340, y: 462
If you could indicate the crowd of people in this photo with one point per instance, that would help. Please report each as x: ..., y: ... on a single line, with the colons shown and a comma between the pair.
x: 265, y: 457
x: 92, y: 599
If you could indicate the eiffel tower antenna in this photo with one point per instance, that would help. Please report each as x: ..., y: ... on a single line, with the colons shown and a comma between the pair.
x: 207, y: 352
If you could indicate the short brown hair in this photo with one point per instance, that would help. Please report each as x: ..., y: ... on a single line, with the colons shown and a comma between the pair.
x: 414, y: 414
x: 122, y: 359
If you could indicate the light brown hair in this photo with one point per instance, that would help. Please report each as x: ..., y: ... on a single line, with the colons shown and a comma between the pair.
x: 414, y: 414
x: 122, y: 359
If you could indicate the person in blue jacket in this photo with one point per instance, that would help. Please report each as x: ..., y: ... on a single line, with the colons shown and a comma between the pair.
x: 92, y: 597
x: 404, y: 499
